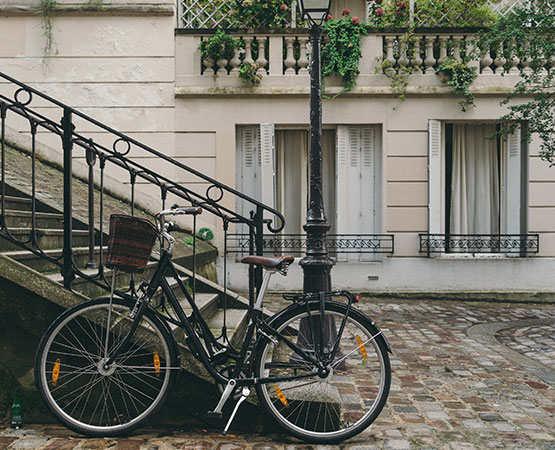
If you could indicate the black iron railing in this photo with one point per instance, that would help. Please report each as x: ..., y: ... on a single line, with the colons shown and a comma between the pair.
x: 38, y: 117
x: 295, y: 244
x: 515, y: 244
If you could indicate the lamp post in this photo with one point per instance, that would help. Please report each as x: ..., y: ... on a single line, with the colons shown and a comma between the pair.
x: 316, y: 264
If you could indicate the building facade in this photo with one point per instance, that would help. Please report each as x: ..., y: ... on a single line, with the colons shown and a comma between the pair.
x: 440, y: 202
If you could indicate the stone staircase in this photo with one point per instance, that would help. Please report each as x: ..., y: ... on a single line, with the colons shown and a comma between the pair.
x: 42, y: 279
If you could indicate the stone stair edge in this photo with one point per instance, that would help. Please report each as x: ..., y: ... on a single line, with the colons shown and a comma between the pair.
x: 38, y: 283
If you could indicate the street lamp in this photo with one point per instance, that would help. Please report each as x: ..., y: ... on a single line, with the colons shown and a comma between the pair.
x: 316, y: 264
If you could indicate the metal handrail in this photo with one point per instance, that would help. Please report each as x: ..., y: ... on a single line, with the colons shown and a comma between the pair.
x: 118, y: 154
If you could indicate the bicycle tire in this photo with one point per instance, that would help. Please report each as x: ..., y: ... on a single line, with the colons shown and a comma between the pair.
x: 85, y: 397
x: 330, y: 409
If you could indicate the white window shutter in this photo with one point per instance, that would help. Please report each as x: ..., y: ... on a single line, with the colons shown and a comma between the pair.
x: 367, y: 195
x: 249, y: 148
x: 367, y: 173
x: 434, y: 177
x: 342, y: 141
x: 268, y: 172
x: 513, y: 182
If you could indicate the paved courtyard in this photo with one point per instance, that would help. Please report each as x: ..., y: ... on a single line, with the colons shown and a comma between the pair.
x: 466, y: 375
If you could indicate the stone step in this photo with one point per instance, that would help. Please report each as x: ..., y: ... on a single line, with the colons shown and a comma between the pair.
x: 23, y: 219
x: 47, y: 239
x: 207, y: 303
x: 17, y: 203
x: 236, y: 324
x: 43, y: 265
x: 91, y: 290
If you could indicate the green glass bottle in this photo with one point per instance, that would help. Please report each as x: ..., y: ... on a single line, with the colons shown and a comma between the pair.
x: 17, y: 421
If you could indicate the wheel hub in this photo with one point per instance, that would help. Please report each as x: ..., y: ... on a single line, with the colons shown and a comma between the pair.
x: 105, y: 370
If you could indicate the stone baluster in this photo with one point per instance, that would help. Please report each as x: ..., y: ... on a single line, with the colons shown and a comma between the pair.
x: 486, y: 61
x: 235, y: 62
x: 303, y: 55
x: 389, y: 58
x: 417, y: 59
x: 208, y: 64
x: 430, y: 60
x: 261, y: 60
x: 222, y: 66
x: 442, y: 49
x: 248, y: 50
x: 457, y: 47
x: 403, y: 58
x: 526, y: 59
x: 514, y: 59
x: 289, y: 61
x: 499, y: 60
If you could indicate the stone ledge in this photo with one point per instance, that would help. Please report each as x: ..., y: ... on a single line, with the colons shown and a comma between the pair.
x: 129, y: 9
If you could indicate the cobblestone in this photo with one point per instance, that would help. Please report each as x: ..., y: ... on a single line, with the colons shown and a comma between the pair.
x: 448, y: 391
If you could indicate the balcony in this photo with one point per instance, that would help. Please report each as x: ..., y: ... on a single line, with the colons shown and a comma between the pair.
x: 282, y: 61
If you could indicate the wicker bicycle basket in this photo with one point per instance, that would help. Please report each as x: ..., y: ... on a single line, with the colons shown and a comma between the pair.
x: 130, y: 242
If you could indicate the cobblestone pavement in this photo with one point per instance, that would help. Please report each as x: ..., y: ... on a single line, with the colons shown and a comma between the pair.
x: 449, y: 390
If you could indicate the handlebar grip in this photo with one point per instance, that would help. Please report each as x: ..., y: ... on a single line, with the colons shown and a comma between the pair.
x: 194, y: 210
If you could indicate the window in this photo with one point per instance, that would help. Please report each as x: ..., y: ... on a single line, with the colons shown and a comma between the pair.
x: 475, y: 182
x: 273, y: 166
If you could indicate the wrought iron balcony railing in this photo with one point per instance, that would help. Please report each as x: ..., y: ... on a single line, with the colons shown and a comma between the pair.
x: 516, y: 244
x: 295, y: 244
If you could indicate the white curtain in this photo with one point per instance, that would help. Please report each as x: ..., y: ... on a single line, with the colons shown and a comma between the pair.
x: 292, y: 148
x: 475, y: 181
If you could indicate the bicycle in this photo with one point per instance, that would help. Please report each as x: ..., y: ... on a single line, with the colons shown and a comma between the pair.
x: 319, y: 367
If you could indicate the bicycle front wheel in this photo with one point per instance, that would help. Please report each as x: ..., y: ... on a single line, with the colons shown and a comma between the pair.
x: 325, y: 406
x: 79, y: 390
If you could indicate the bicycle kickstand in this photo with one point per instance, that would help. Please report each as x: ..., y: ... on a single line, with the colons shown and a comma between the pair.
x: 244, y: 395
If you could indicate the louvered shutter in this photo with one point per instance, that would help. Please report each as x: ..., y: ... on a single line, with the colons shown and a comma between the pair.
x: 342, y: 142
x: 434, y: 177
x: 267, y: 165
x: 513, y: 182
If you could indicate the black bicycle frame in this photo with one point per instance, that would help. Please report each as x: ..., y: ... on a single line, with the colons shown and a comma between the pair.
x: 193, y: 340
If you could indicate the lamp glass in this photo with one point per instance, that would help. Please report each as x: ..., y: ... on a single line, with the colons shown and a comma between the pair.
x: 315, y: 10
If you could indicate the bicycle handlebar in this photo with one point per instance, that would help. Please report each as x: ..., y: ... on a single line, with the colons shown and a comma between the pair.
x: 192, y: 210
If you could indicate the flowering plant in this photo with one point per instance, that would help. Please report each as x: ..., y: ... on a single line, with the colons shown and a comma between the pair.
x: 341, y: 48
x: 263, y: 13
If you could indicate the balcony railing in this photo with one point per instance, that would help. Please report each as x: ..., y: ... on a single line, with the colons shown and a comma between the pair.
x: 515, y: 244
x: 295, y: 244
x: 283, y: 54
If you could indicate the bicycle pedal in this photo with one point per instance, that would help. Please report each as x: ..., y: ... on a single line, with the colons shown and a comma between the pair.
x: 214, y: 415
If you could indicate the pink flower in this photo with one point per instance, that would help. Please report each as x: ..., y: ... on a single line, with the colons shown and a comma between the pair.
x: 346, y: 12
x: 283, y: 6
x: 329, y: 17
x: 379, y: 12
x: 400, y: 5
x: 355, y: 21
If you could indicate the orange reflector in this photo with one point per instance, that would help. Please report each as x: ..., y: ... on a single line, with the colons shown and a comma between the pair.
x: 358, y: 298
x: 157, y: 364
x: 281, y: 396
x: 56, y: 372
x: 362, y: 348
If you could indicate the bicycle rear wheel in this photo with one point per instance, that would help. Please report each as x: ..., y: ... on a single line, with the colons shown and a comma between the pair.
x: 85, y: 396
x: 324, y: 407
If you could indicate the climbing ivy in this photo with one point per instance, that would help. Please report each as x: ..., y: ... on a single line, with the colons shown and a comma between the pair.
x: 528, y: 32
x: 459, y: 76
x: 341, y: 49
x: 46, y: 12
